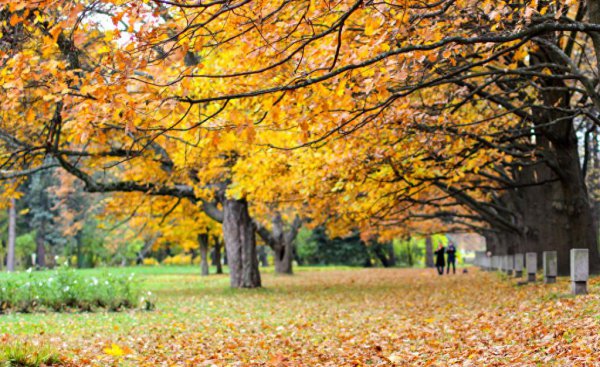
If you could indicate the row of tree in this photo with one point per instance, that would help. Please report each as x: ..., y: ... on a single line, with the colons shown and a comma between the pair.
x: 378, y: 118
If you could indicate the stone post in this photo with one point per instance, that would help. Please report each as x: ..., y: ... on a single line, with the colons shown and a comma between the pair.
x: 550, y: 265
x: 510, y: 264
x: 531, y: 265
x: 478, y: 259
x: 580, y: 270
x: 519, y: 264
x: 487, y: 262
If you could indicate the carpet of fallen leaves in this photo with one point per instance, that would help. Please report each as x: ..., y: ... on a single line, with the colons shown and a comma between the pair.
x: 386, y: 317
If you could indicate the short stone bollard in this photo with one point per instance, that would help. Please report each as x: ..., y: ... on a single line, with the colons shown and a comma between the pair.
x: 510, y: 264
x: 550, y: 266
x: 487, y: 263
x: 580, y: 270
x: 519, y: 262
x: 531, y: 265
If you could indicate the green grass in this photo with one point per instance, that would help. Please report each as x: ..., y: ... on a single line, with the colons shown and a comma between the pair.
x: 166, y: 285
x: 24, y: 354
x: 320, y: 316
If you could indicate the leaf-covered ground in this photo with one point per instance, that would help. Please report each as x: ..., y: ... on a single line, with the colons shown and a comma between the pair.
x: 403, y: 317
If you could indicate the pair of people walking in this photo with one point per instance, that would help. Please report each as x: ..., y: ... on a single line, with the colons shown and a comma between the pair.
x: 440, y: 261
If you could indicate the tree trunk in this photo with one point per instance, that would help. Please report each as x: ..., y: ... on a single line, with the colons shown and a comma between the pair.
x: 380, y: 252
x: 281, y: 241
x: 428, y: 252
x: 240, y: 244
x: 593, y: 12
x: 40, y: 242
x: 203, y: 241
x: 12, y: 236
x: 581, y: 226
x: 391, y: 254
x: 217, y: 254
x: 262, y: 256
x: 283, y: 256
x: 410, y: 259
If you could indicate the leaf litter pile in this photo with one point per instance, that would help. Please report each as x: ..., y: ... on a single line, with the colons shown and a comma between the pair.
x: 387, y: 317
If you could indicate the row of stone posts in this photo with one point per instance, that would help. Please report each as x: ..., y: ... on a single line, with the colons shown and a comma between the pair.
x: 518, y: 263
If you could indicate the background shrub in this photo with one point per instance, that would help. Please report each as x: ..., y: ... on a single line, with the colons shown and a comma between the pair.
x: 65, y: 289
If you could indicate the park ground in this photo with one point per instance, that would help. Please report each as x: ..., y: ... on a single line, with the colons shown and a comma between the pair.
x: 331, y: 317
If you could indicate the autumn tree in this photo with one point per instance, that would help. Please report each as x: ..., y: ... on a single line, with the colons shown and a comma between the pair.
x: 461, y: 113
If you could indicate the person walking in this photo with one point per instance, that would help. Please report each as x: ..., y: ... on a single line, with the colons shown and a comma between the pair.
x: 451, y: 251
x: 439, y: 259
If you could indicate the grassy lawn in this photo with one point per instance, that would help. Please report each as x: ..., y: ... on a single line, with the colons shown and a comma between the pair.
x: 329, y: 317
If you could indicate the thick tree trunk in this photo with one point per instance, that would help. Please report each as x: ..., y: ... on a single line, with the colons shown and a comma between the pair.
x: 12, y: 236
x: 581, y: 226
x: 593, y: 12
x: 283, y: 257
x: 203, y: 241
x: 428, y: 252
x: 217, y: 254
x: 281, y: 242
x: 553, y: 208
x: 240, y: 244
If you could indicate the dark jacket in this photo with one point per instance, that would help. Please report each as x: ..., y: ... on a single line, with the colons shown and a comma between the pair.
x: 439, y: 257
x: 451, y: 251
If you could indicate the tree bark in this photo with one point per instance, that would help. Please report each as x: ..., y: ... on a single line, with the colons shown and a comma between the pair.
x: 203, y: 241
x: 12, y: 236
x: 428, y: 252
x: 217, y: 254
x: 581, y: 226
x: 240, y: 244
x: 283, y: 257
x: 594, y: 17
x: 281, y: 242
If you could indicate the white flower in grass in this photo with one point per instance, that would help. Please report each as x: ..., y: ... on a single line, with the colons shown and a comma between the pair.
x: 66, y: 289
x: 29, y: 270
x: 50, y: 280
x: 94, y: 281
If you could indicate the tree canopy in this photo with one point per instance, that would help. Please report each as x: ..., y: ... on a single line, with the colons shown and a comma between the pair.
x: 386, y: 117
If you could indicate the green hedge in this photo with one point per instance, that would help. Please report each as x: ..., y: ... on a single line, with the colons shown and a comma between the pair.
x: 67, y: 290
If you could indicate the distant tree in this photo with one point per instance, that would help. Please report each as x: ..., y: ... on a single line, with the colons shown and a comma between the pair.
x: 43, y: 212
x: 12, y: 236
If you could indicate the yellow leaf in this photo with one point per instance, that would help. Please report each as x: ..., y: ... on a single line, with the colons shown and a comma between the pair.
x: 115, y: 351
